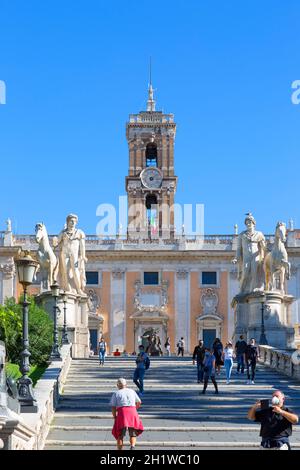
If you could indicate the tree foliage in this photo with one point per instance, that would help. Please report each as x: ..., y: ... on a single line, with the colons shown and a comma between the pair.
x: 40, y: 331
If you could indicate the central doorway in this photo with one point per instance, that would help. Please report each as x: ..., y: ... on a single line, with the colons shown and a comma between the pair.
x: 209, y: 335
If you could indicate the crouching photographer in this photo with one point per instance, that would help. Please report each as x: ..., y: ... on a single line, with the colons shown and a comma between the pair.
x: 276, y: 422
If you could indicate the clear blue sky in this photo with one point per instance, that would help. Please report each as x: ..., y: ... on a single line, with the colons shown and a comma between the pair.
x: 75, y: 70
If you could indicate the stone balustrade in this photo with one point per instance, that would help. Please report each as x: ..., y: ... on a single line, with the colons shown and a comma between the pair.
x: 279, y: 359
x: 28, y: 431
x: 120, y: 242
x: 158, y: 117
x: 181, y: 242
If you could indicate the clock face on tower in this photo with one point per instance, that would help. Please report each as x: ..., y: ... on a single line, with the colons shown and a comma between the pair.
x: 151, y: 178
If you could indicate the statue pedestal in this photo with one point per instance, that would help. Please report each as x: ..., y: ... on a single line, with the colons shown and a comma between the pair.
x: 77, y: 320
x: 276, y: 314
x: 241, y: 315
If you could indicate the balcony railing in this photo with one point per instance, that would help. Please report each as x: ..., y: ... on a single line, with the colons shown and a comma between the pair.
x: 151, y: 117
x: 193, y: 242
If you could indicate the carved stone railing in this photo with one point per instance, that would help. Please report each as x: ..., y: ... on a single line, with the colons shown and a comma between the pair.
x: 121, y: 242
x: 151, y: 117
x: 29, y: 431
x: 279, y: 359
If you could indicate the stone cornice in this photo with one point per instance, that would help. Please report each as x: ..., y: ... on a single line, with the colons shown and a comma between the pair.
x: 9, y: 250
x: 193, y: 255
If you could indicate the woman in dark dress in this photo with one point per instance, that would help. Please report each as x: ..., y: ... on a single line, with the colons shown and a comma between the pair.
x: 218, y: 353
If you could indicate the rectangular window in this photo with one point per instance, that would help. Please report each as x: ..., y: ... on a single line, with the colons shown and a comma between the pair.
x: 151, y: 278
x: 209, y: 278
x: 92, y: 278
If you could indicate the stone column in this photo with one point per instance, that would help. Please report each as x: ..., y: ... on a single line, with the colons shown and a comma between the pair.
x: 233, y: 287
x: 294, y: 289
x: 171, y: 155
x: 118, y: 309
x: 164, y: 154
x: 7, y: 277
x: 182, y: 307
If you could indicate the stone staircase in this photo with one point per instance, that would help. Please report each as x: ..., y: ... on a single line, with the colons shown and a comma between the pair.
x: 174, y: 414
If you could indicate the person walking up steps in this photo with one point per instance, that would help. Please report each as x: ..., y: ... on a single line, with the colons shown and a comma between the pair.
x: 180, y: 346
x: 124, y: 404
x: 102, y: 351
x: 209, y: 370
x: 218, y: 353
x: 228, y: 355
x: 240, y: 349
x: 142, y: 364
x: 251, y: 356
x: 168, y: 346
x: 199, y: 353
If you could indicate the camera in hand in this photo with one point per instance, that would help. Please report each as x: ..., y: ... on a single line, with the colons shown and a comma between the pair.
x: 264, y: 404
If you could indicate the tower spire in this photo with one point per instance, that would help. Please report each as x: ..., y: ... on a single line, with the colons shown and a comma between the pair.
x: 150, y: 101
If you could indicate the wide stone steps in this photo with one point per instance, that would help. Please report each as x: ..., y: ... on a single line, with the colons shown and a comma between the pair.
x: 175, y: 415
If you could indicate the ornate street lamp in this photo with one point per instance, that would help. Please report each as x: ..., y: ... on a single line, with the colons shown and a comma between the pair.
x: 263, y: 339
x: 55, y: 354
x: 26, y: 268
x: 65, y: 339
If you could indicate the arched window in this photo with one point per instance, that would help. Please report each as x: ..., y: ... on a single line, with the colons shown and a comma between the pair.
x: 151, y: 155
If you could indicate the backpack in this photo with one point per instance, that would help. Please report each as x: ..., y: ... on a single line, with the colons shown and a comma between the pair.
x: 147, y: 363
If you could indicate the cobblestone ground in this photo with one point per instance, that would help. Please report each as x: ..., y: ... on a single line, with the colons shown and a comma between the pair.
x: 174, y: 414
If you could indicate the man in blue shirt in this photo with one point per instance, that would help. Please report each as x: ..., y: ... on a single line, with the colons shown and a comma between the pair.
x: 142, y: 364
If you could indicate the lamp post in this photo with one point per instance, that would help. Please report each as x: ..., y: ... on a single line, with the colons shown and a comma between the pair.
x: 26, y: 268
x: 263, y: 339
x: 65, y: 339
x: 55, y: 354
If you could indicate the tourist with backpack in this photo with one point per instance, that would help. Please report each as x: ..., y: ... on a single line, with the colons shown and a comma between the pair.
x: 209, y: 370
x: 142, y: 364
x: 180, y: 346
x: 251, y: 356
x: 218, y: 353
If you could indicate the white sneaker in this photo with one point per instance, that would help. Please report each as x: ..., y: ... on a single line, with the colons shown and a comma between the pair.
x: 248, y: 382
x: 252, y: 382
x: 228, y: 382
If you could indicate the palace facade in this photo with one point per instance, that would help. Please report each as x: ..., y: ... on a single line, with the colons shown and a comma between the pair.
x: 181, y: 286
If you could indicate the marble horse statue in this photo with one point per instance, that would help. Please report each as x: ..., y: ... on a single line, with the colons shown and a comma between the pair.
x: 46, y: 257
x: 276, y: 264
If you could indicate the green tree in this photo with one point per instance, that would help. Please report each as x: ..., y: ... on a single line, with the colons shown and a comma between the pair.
x: 40, y: 331
x: 11, y: 332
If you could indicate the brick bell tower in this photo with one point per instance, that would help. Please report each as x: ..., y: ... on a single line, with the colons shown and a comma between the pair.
x: 151, y: 183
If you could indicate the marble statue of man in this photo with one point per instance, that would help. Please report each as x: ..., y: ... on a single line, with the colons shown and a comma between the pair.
x: 8, y: 225
x: 72, y: 259
x: 249, y: 258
